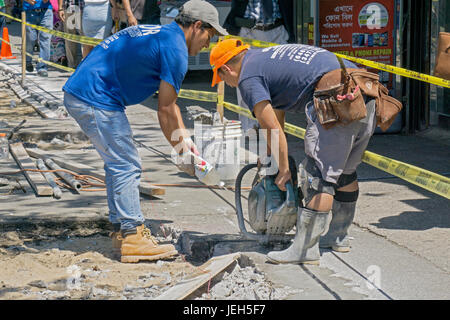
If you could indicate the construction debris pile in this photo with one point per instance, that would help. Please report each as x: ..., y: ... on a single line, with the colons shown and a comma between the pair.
x: 246, y: 283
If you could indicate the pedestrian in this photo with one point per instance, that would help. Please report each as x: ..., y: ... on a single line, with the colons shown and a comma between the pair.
x: 124, y: 70
x: 2, y: 18
x: 136, y: 12
x: 38, y: 12
x: 265, y: 20
x: 96, y: 21
x: 292, y: 78
x: 70, y: 12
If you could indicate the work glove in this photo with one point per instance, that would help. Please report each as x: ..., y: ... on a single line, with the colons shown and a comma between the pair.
x: 190, y: 145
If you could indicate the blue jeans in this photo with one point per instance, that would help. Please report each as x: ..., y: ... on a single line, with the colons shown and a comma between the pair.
x: 43, y: 19
x: 2, y: 21
x: 110, y: 133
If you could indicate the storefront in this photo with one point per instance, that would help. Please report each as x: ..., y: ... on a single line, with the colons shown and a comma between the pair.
x: 395, y: 32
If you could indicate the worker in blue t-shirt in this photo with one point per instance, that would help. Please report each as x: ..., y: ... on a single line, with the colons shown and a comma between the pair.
x: 124, y: 70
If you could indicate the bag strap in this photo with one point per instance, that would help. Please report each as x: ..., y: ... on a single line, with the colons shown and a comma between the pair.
x: 344, y: 70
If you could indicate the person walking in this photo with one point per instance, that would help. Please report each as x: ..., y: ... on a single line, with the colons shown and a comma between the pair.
x: 96, y: 21
x: 70, y: 13
x: 38, y: 12
x: 124, y: 70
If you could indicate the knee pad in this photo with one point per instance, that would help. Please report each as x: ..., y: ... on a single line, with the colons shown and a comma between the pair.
x: 311, y: 182
x: 345, y: 180
x: 346, y: 196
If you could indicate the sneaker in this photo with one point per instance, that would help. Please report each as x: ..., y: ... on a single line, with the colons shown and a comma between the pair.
x: 29, y: 67
x: 142, y: 246
x: 43, y: 73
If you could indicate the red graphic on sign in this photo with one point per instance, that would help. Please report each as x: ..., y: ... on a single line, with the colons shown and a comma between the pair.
x: 362, y: 29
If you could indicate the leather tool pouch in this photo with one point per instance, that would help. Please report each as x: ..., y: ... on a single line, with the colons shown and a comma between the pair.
x: 331, y: 109
x: 387, y: 108
x: 339, y: 104
x: 442, y: 67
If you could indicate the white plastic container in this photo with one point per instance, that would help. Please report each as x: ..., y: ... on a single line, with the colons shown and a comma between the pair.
x: 220, y: 145
x: 4, y: 147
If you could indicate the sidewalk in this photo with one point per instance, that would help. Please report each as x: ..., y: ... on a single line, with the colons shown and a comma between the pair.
x: 400, y: 228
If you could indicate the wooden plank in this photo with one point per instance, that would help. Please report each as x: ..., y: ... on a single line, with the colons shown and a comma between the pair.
x: 210, y: 269
x: 36, y: 179
x: 144, y: 187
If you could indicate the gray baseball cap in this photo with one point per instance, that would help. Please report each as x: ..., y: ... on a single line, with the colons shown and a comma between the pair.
x: 203, y: 11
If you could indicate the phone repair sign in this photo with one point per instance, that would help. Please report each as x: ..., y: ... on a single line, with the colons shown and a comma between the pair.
x: 361, y: 29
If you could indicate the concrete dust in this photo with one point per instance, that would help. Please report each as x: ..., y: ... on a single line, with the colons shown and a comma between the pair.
x: 246, y: 283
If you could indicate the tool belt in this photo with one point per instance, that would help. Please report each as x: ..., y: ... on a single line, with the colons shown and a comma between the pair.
x: 338, y: 98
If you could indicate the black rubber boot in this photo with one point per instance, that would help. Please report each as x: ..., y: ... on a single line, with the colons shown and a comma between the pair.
x: 342, y: 217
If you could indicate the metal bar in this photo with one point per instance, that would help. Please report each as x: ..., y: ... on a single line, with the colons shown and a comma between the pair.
x: 50, y: 179
x: 64, y: 175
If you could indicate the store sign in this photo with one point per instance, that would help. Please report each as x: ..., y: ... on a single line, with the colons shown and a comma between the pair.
x: 363, y: 29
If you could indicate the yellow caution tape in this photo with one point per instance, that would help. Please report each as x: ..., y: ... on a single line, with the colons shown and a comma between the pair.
x: 58, y: 66
x: 423, y: 178
x: 415, y: 175
x: 400, y: 71
x: 198, y: 95
x: 368, y: 63
x: 67, y: 36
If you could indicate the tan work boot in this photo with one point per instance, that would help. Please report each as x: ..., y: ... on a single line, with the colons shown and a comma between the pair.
x: 114, y: 235
x: 142, y: 246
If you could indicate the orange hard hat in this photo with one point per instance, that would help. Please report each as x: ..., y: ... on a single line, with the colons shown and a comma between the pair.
x: 222, y: 52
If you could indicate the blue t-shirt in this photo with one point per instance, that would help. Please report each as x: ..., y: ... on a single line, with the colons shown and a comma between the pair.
x: 127, y: 67
x: 286, y: 75
x: 40, y: 4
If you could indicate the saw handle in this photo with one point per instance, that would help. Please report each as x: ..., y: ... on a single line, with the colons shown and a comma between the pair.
x: 290, y: 197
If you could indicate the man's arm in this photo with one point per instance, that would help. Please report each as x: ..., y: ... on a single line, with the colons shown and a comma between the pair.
x: 268, y: 120
x: 61, y: 12
x: 169, y: 116
x: 131, y: 19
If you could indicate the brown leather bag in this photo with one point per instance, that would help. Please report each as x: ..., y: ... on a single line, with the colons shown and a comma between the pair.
x: 331, y: 84
x: 338, y: 99
x: 387, y: 108
x: 442, y: 67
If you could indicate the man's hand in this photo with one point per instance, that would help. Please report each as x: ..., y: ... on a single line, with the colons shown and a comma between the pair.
x: 132, y: 21
x: 62, y: 15
x: 32, y: 2
x: 190, y: 145
x: 281, y: 179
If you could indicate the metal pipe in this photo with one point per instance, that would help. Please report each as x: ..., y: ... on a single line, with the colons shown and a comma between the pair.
x: 50, y: 179
x: 64, y: 175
